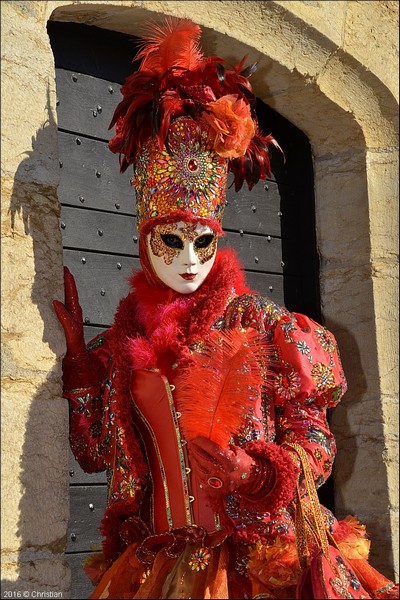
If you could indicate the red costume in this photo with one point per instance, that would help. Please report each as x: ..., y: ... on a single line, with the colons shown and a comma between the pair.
x: 195, y: 400
x: 129, y: 420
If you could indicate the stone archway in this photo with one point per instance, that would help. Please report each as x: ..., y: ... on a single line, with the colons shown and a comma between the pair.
x: 315, y: 72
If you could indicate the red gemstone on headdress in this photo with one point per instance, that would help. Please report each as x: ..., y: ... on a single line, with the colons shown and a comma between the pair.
x: 193, y: 165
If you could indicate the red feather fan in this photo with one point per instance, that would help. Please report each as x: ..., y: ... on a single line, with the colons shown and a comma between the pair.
x: 217, y: 391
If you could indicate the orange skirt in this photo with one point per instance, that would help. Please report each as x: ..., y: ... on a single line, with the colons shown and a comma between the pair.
x: 223, y: 569
x: 199, y: 572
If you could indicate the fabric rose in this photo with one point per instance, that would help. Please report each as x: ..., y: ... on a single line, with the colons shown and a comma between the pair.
x: 276, y: 565
x: 232, y: 125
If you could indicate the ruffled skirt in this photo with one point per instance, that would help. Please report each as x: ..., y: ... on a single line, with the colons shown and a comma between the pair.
x: 217, y: 567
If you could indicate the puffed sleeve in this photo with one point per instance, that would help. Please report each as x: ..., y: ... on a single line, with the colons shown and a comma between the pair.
x: 308, y: 380
x: 87, y: 386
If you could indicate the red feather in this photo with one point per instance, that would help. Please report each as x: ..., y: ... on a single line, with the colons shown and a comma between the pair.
x: 216, y: 392
x: 175, y: 43
x: 175, y: 79
x: 172, y: 106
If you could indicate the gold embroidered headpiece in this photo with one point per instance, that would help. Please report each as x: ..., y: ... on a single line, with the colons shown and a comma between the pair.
x: 183, y: 123
x: 187, y: 182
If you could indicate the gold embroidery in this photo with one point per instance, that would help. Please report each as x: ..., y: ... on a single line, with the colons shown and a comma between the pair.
x: 161, y: 465
x: 185, y: 233
x: 158, y: 247
x: 189, y: 231
x: 184, y: 472
x: 208, y: 252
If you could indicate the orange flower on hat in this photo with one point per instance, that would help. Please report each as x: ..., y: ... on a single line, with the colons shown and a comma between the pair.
x: 232, y: 125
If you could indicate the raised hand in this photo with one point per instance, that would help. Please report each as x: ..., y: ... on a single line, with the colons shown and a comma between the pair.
x: 70, y: 316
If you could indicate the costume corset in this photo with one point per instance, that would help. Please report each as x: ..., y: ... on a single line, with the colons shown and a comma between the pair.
x: 176, y: 498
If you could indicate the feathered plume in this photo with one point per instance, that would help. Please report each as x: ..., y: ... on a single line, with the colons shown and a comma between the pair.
x: 255, y: 164
x: 176, y: 43
x: 222, y: 385
x: 174, y: 80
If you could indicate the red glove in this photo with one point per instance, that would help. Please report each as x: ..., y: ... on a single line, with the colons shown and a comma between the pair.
x: 70, y: 317
x: 223, y: 471
x: 79, y: 368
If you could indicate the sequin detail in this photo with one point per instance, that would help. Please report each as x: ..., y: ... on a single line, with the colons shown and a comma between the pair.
x: 157, y: 245
x: 200, y: 559
x: 188, y: 177
x: 186, y: 233
x: 145, y: 576
x: 287, y: 385
x: 345, y: 580
x: 323, y: 377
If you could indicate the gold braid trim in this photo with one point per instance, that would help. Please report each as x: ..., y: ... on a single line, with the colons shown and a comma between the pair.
x: 310, y: 526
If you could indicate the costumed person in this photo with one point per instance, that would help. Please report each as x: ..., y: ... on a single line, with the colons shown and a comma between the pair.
x: 205, y: 402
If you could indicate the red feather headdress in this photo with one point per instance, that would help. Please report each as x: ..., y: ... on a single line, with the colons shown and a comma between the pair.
x: 176, y: 80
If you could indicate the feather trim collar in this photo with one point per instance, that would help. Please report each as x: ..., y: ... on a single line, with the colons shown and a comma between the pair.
x: 154, y: 325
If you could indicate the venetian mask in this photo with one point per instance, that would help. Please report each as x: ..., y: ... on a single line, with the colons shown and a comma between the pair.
x: 182, y: 254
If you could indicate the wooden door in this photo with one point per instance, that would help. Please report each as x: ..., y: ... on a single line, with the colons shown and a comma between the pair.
x: 272, y: 227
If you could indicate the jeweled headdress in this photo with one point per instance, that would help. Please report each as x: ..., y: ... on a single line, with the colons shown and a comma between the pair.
x: 184, y: 122
x: 187, y: 181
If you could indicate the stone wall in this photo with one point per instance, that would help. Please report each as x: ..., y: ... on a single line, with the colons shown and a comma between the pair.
x: 331, y: 69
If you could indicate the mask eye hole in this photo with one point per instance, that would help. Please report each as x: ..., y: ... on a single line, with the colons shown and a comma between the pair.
x: 172, y: 241
x: 204, y: 240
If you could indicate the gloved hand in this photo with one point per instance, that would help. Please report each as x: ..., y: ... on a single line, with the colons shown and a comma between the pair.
x: 70, y: 316
x: 223, y: 471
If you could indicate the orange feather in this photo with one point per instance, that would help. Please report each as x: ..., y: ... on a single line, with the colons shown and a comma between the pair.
x: 222, y: 385
x: 174, y: 43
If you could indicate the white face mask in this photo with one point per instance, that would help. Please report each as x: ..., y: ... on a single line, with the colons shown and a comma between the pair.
x: 182, y: 254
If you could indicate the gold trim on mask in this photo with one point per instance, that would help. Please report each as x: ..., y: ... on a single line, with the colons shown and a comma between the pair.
x: 157, y: 245
x: 189, y: 232
x: 186, y: 233
x: 208, y: 252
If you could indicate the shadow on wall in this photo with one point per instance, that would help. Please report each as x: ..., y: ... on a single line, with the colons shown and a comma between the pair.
x: 43, y: 508
x: 353, y: 423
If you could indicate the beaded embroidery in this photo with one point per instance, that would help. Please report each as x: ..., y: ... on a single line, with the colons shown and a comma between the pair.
x: 188, y: 177
x: 186, y: 232
x: 200, y: 559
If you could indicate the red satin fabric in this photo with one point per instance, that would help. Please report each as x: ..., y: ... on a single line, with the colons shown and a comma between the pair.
x: 152, y: 397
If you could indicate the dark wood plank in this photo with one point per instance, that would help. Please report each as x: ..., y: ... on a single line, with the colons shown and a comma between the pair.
x: 91, y: 179
x: 90, y: 176
x: 106, y: 232
x: 86, y: 104
x: 78, y: 477
x: 102, y: 280
x: 88, y: 503
x: 99, y: 231
x: 91, y: 332
x: 270, y: 286
x: 258, y: 253
x: 266, y: 284
x: 81, y: 586
x: 94, y: 50
x: 255, y: 211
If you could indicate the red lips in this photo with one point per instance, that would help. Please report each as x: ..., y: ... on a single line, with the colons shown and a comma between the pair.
x: 188, y: 276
